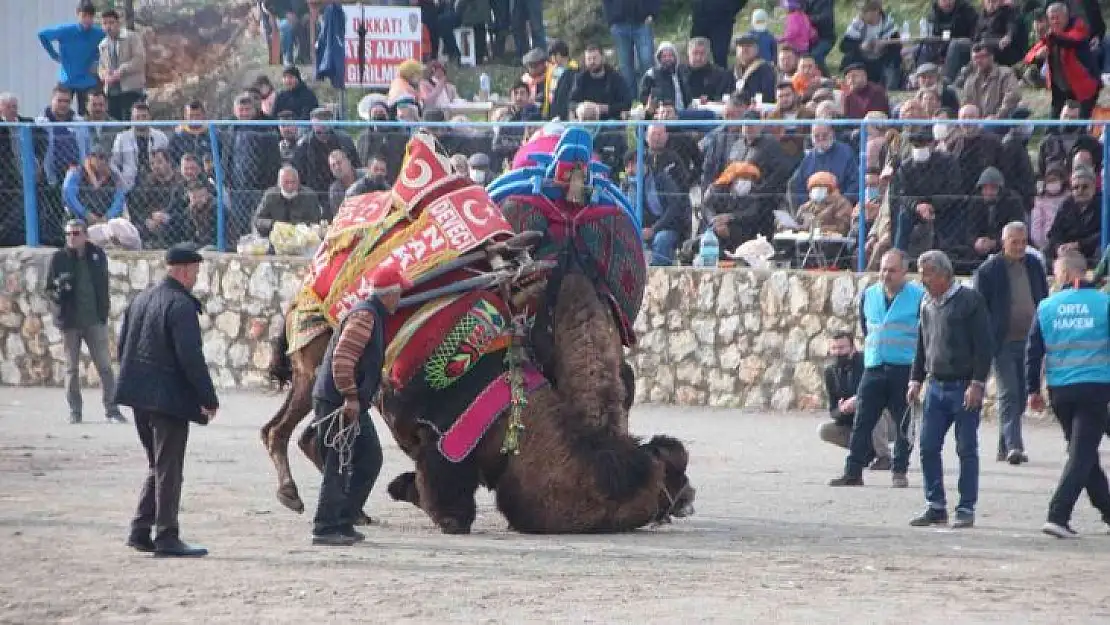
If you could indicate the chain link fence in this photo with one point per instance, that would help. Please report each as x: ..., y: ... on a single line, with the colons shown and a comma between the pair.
x: 799, y: 183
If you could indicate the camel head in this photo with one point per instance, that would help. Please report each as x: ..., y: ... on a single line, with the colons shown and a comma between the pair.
x: 677, y: 497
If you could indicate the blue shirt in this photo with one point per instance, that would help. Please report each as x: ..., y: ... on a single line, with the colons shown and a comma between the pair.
x: 76, y: 53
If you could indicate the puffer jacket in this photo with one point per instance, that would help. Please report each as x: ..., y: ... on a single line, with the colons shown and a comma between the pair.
x: 162, y: 367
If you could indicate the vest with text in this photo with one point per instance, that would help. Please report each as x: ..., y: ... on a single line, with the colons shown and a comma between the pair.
x: 1075, y: 324
x: 891, y: 332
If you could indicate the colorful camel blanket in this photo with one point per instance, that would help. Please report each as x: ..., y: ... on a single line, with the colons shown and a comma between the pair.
x: 463, y: 435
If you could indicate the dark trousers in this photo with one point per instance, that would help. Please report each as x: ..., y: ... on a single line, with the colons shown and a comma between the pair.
x: 880, y: 388
x: 344, y: 493
x: 944, y: 410
x: 119, y: 104
x: 1083, y: 424
x: 1060, y: 97
x: 82, y: 96
x: 164, y: 438
x: 719, y: 34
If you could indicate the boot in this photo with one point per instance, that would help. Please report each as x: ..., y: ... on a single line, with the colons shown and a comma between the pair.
x: 169, y: 545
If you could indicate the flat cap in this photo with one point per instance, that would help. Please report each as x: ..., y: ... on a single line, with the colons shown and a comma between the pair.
x: 183, y: 254
x: 744, y: 40
x: 926, y: 68
x: 854, y: 66
x: 535, y: 55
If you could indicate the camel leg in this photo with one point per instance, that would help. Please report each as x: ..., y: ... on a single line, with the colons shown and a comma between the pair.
x: 445, y: 490
x: 403, y: 488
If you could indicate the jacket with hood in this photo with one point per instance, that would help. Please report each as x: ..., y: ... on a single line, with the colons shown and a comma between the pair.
x: 300, y: 100
x: 986, y: 218
x: 76, y: 53
x: 662, y: 82
x: 187, y: 140
x: 629, y: 11
x: 310, y: 158
x: 65, y: 146
x: 709, y: 81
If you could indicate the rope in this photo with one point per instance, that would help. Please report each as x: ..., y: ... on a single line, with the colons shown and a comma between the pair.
x: 911, y: 418
x: 341, y: 437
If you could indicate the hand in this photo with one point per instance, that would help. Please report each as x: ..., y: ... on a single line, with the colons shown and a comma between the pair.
x: 1094, y: 43
x: 209, y: 413
x: 912, y: 392
x: 350, y: 410
x: 648, y: 20
x: 151, y: 224
x: 870, y: 45
x: 1004, y: 42
x: 647, y: 234
x: 973, y: 396
x: 161, y: 217
x: 925, y: 211
x: 93, y: 218
x: 1036, y: 402
x: 1042, y: 55
x: 983, y: 245
x: 848, y: 405
x: 1068, y: 247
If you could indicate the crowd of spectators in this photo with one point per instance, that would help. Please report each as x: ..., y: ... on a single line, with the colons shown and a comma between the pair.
x: 927, y: 185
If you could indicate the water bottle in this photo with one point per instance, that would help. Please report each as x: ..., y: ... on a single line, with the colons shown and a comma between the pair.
x: 905, y: 34
x: 923, y: 27
x: 483, y: 87
x: 710, y: 248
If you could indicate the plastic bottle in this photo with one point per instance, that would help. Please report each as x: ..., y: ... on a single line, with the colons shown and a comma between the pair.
x: 905, y: 34
x: 710, y: 251
x: 483, y: 87
x: 923, y: 27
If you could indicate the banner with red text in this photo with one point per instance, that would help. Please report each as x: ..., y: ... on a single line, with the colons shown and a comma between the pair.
x: 392, y: 37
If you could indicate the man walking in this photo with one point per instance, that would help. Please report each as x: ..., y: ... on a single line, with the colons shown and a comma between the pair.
x: 164, y: 378
x: 954, y: 351
x: 842, y: 379
x: 77, y: 283
x: 1012, y: 284
x: 889, y: 314
x: 1071, y: 335
x: 346, y: 384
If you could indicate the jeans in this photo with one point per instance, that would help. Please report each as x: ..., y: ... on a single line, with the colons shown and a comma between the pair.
x: 663, y: 246
x: 293, y: 35
x: 944, y: 407
x: 164, y: 438
x: 446, y: 24
x: 1083, y: 424
x: 96, y: 337
x: 528, y: 20
x: 635, y: 52
x: 344, y: 493
x: 1009, y: 372
x: 880, y: 388
x: 819, y: 52
x: 959, y: 55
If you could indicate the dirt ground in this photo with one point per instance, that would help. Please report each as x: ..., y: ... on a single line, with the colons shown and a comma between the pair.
x: 770, y: 542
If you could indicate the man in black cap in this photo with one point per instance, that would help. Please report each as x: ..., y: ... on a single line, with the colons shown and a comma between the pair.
x: 297, y: 97
x: 165, y: 380
x: 755, y: 78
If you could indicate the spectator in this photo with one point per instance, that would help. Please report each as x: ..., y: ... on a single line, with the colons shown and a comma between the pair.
x: 930, y: 103
x: 102, y: 136
x: 558, y: 81
x: 872, y: 39
x: 12, y: 222
x: 1000, y: 28
x: 1062, y: 143
x: 448, y: 18
x: 600, y: 84
x: 461, y: 165
x: 506, y: 141
x: 296, y: 97
x: 1066, y: 51
x: 94, y: 192
x: 974, y: 149
x: 798, y: 32
x: 344, y: 178
x: 376, y: 178
x: 156, y: 206
x: 925, y: 209
x: 478, y: 168
x: 992, y: 88
x: 122, y: 66
x: 755, y: 78
x: 74, y: 48
x: 876, y: 215
x: 200, y: 214
x: 1047, y: 204
x: 267, y: 95
x: 388, y: 143
x: 927, y: 77
x: 293, y: 26
x: 191, y: 169
x: 659, y: 158
x: 66, y: 146
x: 630, y: 24
x: 251, y: 160
x: 712, y: 22
x: 701, y: 79
x: 191, y: 137
x: 288, y: 137
x: 666, y: 211
x: 535, y: 69
x: 435, y: 90
x: 862, y: 96
x: 951, y: 20
x: 787, y: 63
x: 766, y: 45
x: 808, y: 77
x: 610, y: 144
x: 530, y: 13
x: 826, y: 207
x: 406, y: 83
x: 1012, y: 284
x: 1016, y: 166
x: 822, y: 16
x: 842, y: 379
x: 718, y: 145
x: 1078, y: 224
x: 735, y: 213
x: 476, y: 14
x: 132, y: 148
x: 990, y: 211
x: 311, y: 158
x: 661, y: 81
x: 682, y: 141
x: 828, y: 155
x: 288, y: 202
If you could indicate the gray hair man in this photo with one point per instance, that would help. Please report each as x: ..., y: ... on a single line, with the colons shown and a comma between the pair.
x: 1071, y: 335
x: 954, y: 352
x: 1012, y: 284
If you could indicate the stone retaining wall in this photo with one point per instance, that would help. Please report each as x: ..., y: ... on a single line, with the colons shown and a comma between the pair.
x: 735, y: 338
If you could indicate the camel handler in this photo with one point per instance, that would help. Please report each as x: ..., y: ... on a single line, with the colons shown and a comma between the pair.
x: 1071, y: 334
x: 346, y: 383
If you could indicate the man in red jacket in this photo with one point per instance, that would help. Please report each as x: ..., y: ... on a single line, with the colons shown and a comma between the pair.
x: 1066, y: 48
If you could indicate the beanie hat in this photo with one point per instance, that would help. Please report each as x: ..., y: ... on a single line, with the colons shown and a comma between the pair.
x: 390, y: 278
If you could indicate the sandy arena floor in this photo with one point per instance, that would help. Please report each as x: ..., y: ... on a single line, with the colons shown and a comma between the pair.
x: 770, y: 542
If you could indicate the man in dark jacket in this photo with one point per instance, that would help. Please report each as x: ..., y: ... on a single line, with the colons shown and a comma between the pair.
x: 1078, y: 223
x: 714, y: 21
x: 346, y: 383
x: 661, y: 81
x: 666, y: 211
x: 754, y: 76
x: 600, y: 84
x: 842, y: 379
x: 1012, y: 283
x: 288, y: 202
x: 700, y: 77
x: 165, y: 380
x: 297, y: 96
x: 77, y: 283
x: 310, y: 158
x: 957, y: 18
x: 995, y: 206
x: 251, y: 159
x: 13, y: 231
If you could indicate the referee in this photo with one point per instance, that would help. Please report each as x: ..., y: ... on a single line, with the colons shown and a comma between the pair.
x: 1071, y: 334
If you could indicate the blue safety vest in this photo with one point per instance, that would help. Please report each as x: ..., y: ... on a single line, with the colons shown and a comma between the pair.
x: 1075, y: 325
x: 891, y: 333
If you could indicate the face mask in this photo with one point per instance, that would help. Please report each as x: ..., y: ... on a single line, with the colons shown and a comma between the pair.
x: 1053, y: 188
x: 742, y: 187
x: 940, y: 131
x: 478, y: 176
x: 287, y: 195
x: 759, y: 28
x: 872, y: 194
x: 818, y: 194
x: 920, y: 155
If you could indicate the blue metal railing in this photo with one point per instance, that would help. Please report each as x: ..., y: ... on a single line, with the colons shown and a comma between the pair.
x: 29, y: 170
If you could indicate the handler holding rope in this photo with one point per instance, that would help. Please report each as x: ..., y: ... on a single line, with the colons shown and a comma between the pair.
x: 346, y: 382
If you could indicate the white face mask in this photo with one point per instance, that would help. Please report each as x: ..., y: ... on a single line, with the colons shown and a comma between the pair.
x: 1053, y: 188
x: 286, y: 194
x: 478, y: 176
x: 818, y: 194
x: 742, y: 187
x: 940, y: 131
x: 759, y: 27
x: 821, y: 148
x: 920, y: 155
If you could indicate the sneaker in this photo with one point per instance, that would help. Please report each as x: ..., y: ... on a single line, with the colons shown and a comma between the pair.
x: 334, y: 539
x: 1059, y: 531
x: 1016, y: 457
x: 881, y: 464
x: 931, y: 516
x: 899, y: 480
x: 964, y: 519
x: 846, y: 480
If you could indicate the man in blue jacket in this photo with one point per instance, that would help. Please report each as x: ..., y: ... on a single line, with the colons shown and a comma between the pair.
x: 829, y: 155
x: 75, y: 47
x: 1071, y: 335
x: 163, y: 377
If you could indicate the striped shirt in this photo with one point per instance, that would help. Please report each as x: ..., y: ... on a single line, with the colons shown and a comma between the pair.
x: 357, y: 332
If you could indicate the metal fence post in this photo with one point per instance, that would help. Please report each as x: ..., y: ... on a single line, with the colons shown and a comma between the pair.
x: 1105, y: 233
x: 30, y: 191
x: 861, y: 243
x: 640, y: 172
x: 221, y: 196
